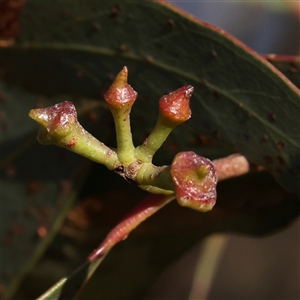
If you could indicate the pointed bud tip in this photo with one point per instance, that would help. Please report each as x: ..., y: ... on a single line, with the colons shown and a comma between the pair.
x: 54, y: 118
x: 121, y: 78
x: 39, y: 115
x: 189, y: 91
x: 175, y: 106
x: 33, y: 114
x: 120, y: 92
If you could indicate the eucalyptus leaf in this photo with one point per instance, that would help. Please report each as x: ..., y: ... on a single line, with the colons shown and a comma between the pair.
x: 239, y: 99
x: 38, y: 187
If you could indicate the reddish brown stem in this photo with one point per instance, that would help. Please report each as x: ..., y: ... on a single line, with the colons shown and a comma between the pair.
x: 231, y: 166
x: 147, y: 207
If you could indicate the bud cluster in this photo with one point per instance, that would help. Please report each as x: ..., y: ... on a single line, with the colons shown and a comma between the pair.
x: 191, y: 178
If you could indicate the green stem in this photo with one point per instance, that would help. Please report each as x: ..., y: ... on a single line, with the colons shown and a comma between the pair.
x: 159, y: 134
x: 155, y: 179
x: 83, y: 143
x: 125, y: 147
x: 59, y: 126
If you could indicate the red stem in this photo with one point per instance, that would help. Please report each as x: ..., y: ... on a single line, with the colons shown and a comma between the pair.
x: 147, y: 207
x: 231, y: 166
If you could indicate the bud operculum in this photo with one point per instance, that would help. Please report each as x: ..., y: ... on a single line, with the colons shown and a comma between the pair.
x: 120, y: 97
x: 57, y: 121
x: 175, y: 106
x: 174, y: 109
x: 59, y: 126
x: 120, y: 93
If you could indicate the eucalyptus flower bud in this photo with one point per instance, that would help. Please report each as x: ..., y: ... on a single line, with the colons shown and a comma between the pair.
x: 195, y: 180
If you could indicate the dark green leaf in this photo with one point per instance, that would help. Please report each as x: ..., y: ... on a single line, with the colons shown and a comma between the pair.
x: 239, y: 100
x: 136, y: 263
x: 38, y: 186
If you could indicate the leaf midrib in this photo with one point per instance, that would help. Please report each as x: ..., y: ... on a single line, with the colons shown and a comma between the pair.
x: 132, y: 56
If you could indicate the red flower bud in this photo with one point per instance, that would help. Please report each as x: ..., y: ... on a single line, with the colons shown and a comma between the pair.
x: 120, y: 92
x: 195, y: 180
x: 175, y: 106
x: 56, y: 121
